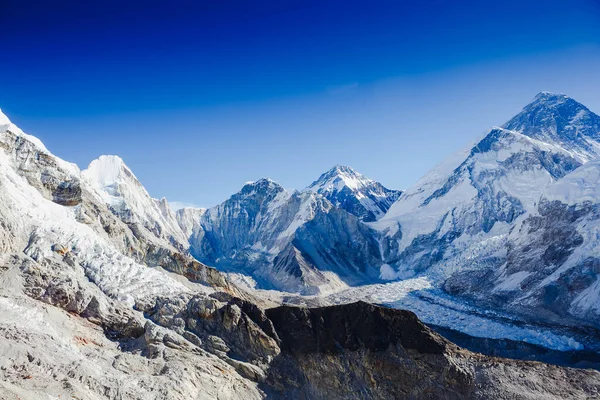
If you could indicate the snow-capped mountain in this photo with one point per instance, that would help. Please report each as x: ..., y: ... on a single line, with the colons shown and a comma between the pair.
x: 347, y: 189
x: 295, y: 241
x: 500, y: 179
x: 488, y: 223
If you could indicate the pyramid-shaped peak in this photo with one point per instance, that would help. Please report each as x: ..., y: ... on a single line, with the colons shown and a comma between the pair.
x: 553, y: 102
x: 339, y: 168
x: 338, y: 177
x: 558, y: 119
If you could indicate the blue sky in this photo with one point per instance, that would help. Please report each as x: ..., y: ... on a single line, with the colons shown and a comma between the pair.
x: 200, y: 97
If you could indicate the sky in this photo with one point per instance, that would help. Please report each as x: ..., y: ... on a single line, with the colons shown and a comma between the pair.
x: 200, y: 97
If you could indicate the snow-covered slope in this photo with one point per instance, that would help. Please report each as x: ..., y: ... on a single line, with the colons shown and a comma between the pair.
x: 453, y: 218
x: 188, y: 219
x: 70, y: 277
x: 295, y: 241
x: 355, y: 193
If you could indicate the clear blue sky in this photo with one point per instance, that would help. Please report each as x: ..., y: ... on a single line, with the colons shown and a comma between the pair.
x: 199, y: 97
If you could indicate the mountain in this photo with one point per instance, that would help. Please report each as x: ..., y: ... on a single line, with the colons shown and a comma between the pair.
x: 355, y: 193
x: 509, y: 223
x: 292, y: 241
x: 438, y: 220
x: 95, y: 287
x: 71, y: 273
x: 312, y: 241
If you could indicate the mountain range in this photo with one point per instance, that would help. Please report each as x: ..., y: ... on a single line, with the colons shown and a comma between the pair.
x: 466, y: 225
x: 106, y: 292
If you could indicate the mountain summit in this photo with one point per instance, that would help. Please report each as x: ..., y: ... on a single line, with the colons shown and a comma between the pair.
x: 560, y: 120
x: 345, y: 188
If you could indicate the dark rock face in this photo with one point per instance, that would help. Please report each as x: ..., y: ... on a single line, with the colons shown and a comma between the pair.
x: 67, y: 193
x: 361, y: 351
x: 350, y: 327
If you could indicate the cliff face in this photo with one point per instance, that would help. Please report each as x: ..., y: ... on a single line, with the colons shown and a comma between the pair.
x: 362, y: 351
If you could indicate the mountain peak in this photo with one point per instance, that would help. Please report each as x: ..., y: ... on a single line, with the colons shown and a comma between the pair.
x: 546, y: 96
x: 346, y: 188
x: 262, y: 185
x: 338, y: 177
x: 107, y: 170
x: 559, y: 120
x: 339, y: 168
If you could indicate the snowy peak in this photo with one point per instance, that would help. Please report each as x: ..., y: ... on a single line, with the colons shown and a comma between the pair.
x: 338, y: 177
x: 188, y: 219
x: 559, y: 119
x: 117, y: 187
x: 109, y: 170
x: 345, y: 188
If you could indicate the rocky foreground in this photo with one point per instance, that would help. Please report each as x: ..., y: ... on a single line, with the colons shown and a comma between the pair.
x: 218, y: 346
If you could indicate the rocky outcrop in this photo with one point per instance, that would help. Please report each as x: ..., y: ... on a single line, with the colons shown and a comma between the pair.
x: 361, y: 351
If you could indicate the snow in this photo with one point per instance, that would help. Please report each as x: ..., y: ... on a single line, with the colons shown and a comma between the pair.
x: 107, y: 170
x: 579, y: 186
x: 344, y: 176
x: 304, y: 214
x: 116, y: 186
x: 434, y: 307
x: 513, y: 281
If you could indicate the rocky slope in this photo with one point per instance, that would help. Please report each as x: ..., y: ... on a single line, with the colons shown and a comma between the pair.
x: 362, y: 351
